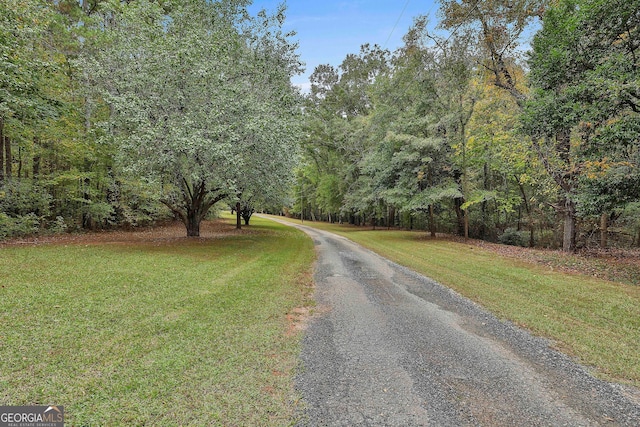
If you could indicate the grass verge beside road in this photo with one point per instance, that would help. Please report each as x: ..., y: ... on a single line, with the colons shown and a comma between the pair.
x: 594, y: 320
x: 156, y: 331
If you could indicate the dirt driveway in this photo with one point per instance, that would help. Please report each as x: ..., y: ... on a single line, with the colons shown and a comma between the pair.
x: 389, y: 347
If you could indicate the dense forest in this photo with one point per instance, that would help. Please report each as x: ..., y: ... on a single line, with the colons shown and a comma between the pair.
x: 123, y: 113
x: 514, y: 120
x: 468, y: 129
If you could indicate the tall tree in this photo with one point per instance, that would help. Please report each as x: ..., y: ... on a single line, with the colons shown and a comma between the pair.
x: 23, y: 66
x: 336, y: 129
x: 497, y: 27
x: 445, y: 100
x: 584, y: 113
x: 200, y: 99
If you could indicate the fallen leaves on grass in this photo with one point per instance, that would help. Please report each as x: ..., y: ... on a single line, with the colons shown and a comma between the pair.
x: 162, y: 234
x: 618, y: 265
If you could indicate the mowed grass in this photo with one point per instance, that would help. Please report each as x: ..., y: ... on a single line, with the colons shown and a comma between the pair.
x: 596, y: 321
x: 183, y: 332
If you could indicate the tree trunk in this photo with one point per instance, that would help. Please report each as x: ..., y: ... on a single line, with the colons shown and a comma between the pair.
x: 563, y: 176
x: 485, y: 184
x: 392, y: 216
x: 569, y: 233
x: 563, y: 148
x: 529, y: 213
x: 246, y: 214
x: 460, y: 214
x: 20, y: 162
x: 7, y: 157
x: 532, y: 241
x: 432, y: 221
x: 238, y: 216
x: 466, y: 223
x: 36, y: 158
x: 193, y: 223
x: 1, y: 149
x: 604, y: 230
x: 87, y: 221
x: 196, y: 202
x: 36, y: 166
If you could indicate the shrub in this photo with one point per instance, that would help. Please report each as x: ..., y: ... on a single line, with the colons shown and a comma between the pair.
x: 513, y: 237
x: 22, y: 197
x: 18, y: 226
x: 58, y: 226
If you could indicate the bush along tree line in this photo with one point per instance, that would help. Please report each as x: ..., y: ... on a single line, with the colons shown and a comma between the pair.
x: 460, y: 131
x: 118, y: 113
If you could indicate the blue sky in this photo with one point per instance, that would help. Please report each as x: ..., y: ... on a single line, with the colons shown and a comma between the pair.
x: 328, y: 30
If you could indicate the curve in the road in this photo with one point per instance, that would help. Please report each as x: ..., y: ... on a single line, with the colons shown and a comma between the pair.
x: 393, y: 348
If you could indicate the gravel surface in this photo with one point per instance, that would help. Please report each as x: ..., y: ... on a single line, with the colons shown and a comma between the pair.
x: 389, y: 347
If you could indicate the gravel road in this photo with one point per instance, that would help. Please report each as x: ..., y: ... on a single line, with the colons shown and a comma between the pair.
x: 389, y: 347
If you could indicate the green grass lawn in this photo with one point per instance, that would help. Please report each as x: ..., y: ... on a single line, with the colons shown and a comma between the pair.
x: 195, y: 331
x: 189, y: 332
x: 596, y: 321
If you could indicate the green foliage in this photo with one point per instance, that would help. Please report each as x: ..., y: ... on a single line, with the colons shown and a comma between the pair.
x: 445, y: 131
x: 22, y: 59
x: 58, y: 226
x: 97, y: 212
x: 203, y: 105
x: 498, y: 29
x: 20, y: 198
x: 339, y: 135
x: 23, y: 225
x: 584, y: 70
x: 114, y: 111
x: 95, y: 93
x: 136, y: 203
x: 328, y: 193
x: 513, y: 237
x: 430, y: 125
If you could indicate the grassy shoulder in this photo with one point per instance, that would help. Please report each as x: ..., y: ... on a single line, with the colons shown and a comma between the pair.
x: 597, y: 321
x: 156, y: 332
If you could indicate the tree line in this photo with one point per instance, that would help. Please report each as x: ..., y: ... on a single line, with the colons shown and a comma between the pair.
x: 116, y: 113
x: 121, y: 113
x: 464, y: 130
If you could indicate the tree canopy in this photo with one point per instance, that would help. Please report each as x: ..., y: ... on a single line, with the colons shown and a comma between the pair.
x: 200, y: 100
x: 184, y: 103
x: 513, y: 120
x: 464, y: 133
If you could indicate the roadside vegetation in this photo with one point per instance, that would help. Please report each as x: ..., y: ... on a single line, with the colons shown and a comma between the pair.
x: 152, y: 328
x: 595, y: 320
x: 459, y: 131
x: 512, y: 121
